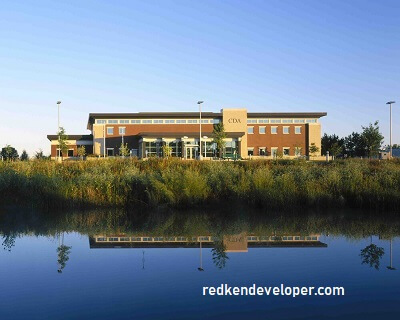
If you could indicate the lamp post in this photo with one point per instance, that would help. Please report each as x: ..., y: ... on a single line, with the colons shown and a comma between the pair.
x: 58, y: 123
x: 391, y: 265
x: 390, y: 104
x: 201, y: 260
x: 199, y: 103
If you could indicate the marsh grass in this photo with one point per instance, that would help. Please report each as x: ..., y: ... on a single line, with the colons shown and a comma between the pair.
x: 173, y: 183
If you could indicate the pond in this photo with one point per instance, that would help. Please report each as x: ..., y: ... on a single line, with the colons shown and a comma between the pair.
x: 118, y: 265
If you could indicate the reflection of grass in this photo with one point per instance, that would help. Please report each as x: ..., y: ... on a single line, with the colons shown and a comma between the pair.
x: 351, y: 224
x: 174, y: 183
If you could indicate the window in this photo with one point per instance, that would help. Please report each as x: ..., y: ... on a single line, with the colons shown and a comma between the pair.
x: 215, y: 121
x: 123, y: 121
x: 192, y: 121
x: 180, y: 121
x: 261, y: 151
x: 275, y: 120
x: 274, y: 152
x: 286, y: 151
x: 297, y: 151
x: 251, y: 120
x: 70, y: 152
x: 102, y: 239
x: 110, y: 130
x: 274, y: 130
x: 287, y: 121
x: 113, y: 239
x: 110, y: 152
x: 311, y: 120
x: 250, y: 130
x: 122, y: 130
x: 147, y: 121
x: 285, y: 130
x: 263, y: 121
x: 158, y: 121
x: 112, y: 121
x: 204, y: 121
x: 124, y: 239
x: 261, y: 130
x: 297, y: 130
x: 101, y: 121
x: 250, y: 151
x: 299, y: 121
x: 135, y: 121
x: 136, y: 239
x: 169, y: 121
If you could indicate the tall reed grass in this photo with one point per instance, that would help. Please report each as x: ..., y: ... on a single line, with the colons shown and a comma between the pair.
x: 181, y: 184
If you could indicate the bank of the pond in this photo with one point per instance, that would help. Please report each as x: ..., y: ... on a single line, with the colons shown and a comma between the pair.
x: 180, y: 184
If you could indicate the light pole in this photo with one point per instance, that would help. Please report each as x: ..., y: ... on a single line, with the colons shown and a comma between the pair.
x: 390, y: 104
x: 199, y: 103
x: 58, y: 128
x: 201, y: 260
x: 391, y: 265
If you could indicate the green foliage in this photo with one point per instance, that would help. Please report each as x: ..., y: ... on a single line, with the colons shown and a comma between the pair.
x: 124, y: 150
x: 175, y: 183
x: 24, y: 156
x: 81, y: 151
x: 166, y: 151
x: 372, y: 138
x: 331, y: 143
x: 219, y: 137
x: 63, y: 252
x: 62, y: 142
x: 39, y: 155
x: 9, y: 153
x: 313, y: 149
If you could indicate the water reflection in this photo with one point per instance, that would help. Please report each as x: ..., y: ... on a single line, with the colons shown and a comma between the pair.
x: 178, y: 253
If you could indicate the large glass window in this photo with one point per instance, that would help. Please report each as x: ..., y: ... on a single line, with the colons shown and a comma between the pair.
x: 274, y: 130
x: 169, y: 121
x: 261, y: 151
x: 250, y: 151
x: 231, y: 149
x: 110, y: 130
x: 176, y: 149
x: 151, y: 148
x: 297, y: 130
x: 135, y: 121
x: 274, y: 152
x: 158, y: 121
x: 101, y: 121
x: 147, y: 121
x: 112, y: 121
x: 250, y: 130
x: 275, y: 120
x: 123, y: 121
x: 261, y: 130
x: 180, y: 121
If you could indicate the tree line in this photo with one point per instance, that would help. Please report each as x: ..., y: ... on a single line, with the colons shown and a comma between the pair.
x: 366, y: 143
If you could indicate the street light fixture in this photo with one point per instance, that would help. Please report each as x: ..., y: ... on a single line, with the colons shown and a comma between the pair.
x: 390, y: 104
x: 199, y: 103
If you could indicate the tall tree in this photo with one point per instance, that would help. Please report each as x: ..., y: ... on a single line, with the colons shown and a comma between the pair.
x: 372, y: 139
x: 124, y: 150
x: 219, y: 255
x: 62, y: 142
x: 371, y: 255
x: 219, y: 137
x: 313, y: 149
x: 331, y: 143
x: 354, y: 145
x: 24, y: 156
x: 9, y: 153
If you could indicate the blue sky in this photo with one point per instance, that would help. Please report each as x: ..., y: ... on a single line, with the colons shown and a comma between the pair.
x: 341, y: 57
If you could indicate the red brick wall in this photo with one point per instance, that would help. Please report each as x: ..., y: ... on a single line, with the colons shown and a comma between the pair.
x: 279, y: 140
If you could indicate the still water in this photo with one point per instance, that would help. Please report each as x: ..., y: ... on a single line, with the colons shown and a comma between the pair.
x: 113, y: 265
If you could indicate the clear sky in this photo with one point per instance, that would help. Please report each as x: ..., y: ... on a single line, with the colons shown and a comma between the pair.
x: 342, y: 57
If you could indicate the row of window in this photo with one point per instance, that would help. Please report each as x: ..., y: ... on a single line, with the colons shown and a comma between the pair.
x: 158, y: 121
x: 262, y: 151
x: 146, y: 239
x: 249, y: 238
x: 274, y: 130
x: 281, y: 120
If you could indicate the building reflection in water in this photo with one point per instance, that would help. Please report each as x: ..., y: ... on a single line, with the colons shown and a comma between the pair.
x: 231, y: 243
